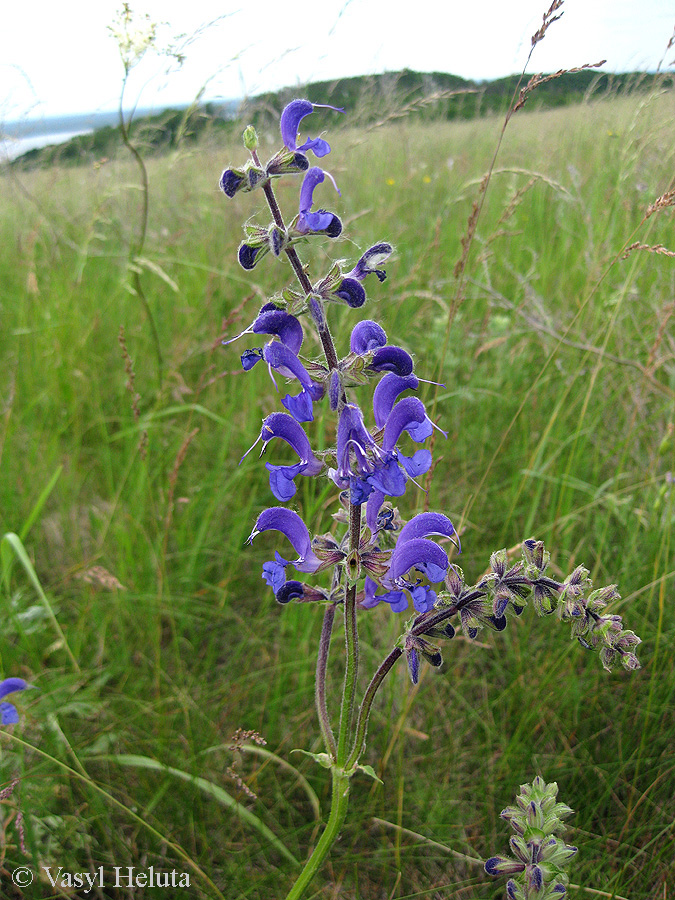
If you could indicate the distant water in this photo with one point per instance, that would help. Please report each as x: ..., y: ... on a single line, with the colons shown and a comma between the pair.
x: 20, y: 136
x: 11, y: 147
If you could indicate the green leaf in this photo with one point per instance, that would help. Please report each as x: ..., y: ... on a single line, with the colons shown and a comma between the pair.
x: 323, y: 759
x: 368, y: 770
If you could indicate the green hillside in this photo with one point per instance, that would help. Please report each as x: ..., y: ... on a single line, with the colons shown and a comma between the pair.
x: 435, y: 96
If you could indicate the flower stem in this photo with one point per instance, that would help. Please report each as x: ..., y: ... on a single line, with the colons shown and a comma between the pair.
x: 436, y: 617
x: 136, y: 247
x: 352, y: 645
x: 338, y: 811
x: 364, y: 712
x: 320, y: 687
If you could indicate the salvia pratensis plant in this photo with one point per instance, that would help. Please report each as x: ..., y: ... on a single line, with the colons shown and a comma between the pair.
x: 371, y: 555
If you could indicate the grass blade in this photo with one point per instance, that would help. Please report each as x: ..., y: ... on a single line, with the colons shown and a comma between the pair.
x: 208, y: 787
x: 13, y: 541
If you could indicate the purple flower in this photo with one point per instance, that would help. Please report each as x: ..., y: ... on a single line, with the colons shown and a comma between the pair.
x: 290, y: 123
x: 421, y: 554
x: 274, y: 571
x: 416, y: 647
x: 289, y: 523
x: 428, y: 524
x: 287, y: 162
x: 259, y: 242
x: 321, y: 220
x: 350, y: 289
x: 367, y: 336
x: 281, y: 358
x: 290, y: 590
x: 374, y: 520
x: 408, y: 414
x: 249, y: 256
x: 282, y: 478
x: 391, y: 359
x: 231, y: 181
x: 414, y: 551
x: 354, y: 441
x: 351, y: 292
x: 418, y: 553
x: 396, y: 599
x: 386, y: 394
x: 8, y: 712
x: 246, y: 179
x: 273, y: 320
x: 363, y: 466
x: 369, y: 262
x: 503, y: 865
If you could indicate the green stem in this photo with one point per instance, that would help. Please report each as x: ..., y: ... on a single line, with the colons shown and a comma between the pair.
x: 338, y: 811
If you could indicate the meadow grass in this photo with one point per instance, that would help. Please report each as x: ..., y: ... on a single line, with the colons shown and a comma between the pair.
x: 558, y: 398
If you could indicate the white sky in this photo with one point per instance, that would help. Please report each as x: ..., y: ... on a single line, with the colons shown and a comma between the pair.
x: 58, y: 57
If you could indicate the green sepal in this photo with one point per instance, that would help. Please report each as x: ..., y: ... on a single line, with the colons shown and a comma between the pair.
x: 331, y: 281
x: 291, y: 296
x: 353, y: 567
x: 353, y: 368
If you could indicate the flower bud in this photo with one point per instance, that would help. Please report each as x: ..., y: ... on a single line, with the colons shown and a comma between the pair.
x: 287, y: 162
x: 250, y: 138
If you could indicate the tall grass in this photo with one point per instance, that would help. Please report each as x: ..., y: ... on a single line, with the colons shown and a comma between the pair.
x: 558, y: 396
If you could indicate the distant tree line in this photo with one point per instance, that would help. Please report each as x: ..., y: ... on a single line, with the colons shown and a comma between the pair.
x: 377, y: 97
x: 423, y: 96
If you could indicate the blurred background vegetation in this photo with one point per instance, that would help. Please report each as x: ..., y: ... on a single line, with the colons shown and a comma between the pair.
x: 557, y: 360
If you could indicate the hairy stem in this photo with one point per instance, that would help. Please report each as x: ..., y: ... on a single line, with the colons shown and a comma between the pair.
x: 364, y: 712
x: 352, y: 645
x: 320, y: 687
x: 422, y: 626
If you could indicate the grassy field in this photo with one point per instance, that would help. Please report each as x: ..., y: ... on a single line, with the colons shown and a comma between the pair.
x: 155, y: 639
